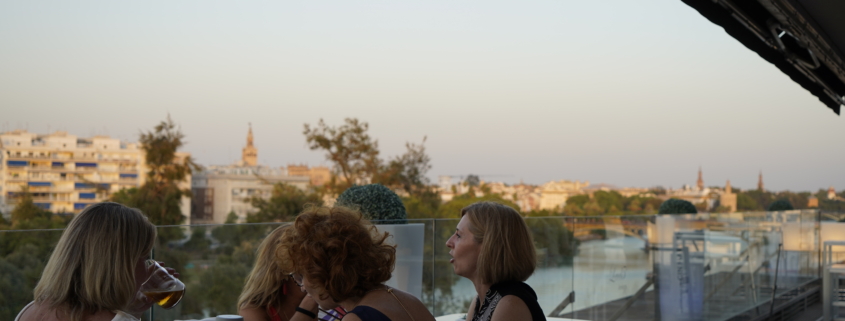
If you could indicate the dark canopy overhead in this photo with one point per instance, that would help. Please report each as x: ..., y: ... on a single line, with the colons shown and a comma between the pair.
x: 804, y: 38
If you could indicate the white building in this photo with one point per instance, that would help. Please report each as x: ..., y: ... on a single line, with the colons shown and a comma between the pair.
x: 65, y: 173
x: 219, y: 190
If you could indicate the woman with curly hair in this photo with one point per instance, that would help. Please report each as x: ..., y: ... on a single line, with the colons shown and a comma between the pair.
x: 270, y: 293
x: 97, y: 268
x: 340, y: 259
x: 497, y: 269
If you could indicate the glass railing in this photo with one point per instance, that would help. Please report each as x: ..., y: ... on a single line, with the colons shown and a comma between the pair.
x: 696, y: 267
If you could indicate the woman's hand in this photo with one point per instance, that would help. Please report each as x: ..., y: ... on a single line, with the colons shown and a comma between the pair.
x: 170, y: 270
x: 309, y: 304
x: 139, y: 305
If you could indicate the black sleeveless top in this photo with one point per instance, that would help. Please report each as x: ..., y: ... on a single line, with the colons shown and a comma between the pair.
x: 366, y: 313
x: 484, y: 311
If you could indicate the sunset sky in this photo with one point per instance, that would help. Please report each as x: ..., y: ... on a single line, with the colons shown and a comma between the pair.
x: 630, y: 93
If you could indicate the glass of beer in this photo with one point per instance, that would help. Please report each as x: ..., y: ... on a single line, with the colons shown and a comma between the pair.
x: 161, y: 287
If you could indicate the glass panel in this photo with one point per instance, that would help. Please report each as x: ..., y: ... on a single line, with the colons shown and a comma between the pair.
x: 23, y: 254
x: 622, y: 267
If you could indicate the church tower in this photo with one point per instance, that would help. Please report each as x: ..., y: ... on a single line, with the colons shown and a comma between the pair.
x: 250, y: 153
x: 700, y: 182
x: 760, y: 182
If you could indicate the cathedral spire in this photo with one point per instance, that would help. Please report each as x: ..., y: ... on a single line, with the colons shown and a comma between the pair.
x: 700, y: 182
x: 250, y: 153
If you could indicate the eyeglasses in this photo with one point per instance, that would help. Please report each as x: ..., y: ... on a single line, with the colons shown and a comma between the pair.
x: 297, y: 278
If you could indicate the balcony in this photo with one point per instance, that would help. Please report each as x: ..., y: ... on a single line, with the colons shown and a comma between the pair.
x: 704, y: 266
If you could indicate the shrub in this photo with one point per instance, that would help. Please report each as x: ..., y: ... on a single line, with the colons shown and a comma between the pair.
x: 676, y: 206
x: 376, y: 202
x: 781, y: 205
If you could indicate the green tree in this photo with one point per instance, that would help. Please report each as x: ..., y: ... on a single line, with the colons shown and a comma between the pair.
x: 782, y: 204
x: 608, y: 199
x: 677, y: 206
x: 408, y: 171
x: 356, y: 158
x: 285, y: 202
x: 744, y: 202
x: 578, y: 200
x: 377, y: 202
x: 349, y: 146
x: 160, y: 196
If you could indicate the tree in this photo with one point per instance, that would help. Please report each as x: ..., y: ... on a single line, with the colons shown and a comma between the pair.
x: 746, y: 203
x: 782, y: 204
x: 349, y: 147
x: 376, y: 202
x: 472, y: 180
x: 286, y: 201
x: 356, y: 158
x: 160, y: 196
x: 408, y: 171
x: 677, y: 206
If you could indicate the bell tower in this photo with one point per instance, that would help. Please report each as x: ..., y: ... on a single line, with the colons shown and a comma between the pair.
x: 700, y: 182
x: 249, y: 155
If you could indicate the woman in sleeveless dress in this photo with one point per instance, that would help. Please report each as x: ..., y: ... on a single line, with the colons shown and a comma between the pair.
x: 270, y: 293
x: 340, y: 259
x: 492, y: 247
x: 96, y: 269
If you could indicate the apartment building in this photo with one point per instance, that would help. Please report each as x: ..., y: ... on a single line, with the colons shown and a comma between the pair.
x: 65, y: 173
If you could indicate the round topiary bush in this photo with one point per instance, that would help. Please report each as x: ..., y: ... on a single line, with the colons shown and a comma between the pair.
x: 781, y: 205
x: 676, y: 206
x: 376, y: 202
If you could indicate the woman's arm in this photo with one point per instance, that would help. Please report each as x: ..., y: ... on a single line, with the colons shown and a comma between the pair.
x: 510, y: 307
x: 307, y: 304
x: 253, y: 313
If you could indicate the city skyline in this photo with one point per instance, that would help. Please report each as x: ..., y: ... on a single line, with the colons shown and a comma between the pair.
x: 637, y: 95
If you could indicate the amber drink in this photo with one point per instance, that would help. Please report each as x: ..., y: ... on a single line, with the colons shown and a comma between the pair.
x: 162, y: 287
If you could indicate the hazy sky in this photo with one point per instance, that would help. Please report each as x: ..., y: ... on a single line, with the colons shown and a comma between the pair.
x: 631, y: 93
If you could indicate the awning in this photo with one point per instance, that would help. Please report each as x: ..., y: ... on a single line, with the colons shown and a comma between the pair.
x: 86, y: 164
x: 17, y: 163
x: 83, y: 185
x: 805, y: 39
x: 87, y: 195
x: 40, y: 184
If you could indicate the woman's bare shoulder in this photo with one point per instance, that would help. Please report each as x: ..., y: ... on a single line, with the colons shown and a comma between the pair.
x: 40, y: 312
x: 253, y: 313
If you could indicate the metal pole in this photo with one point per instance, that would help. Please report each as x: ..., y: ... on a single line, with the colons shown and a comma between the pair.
x: 775, y: 288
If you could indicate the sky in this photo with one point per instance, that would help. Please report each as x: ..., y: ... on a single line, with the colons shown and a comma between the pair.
x: 629, y: 93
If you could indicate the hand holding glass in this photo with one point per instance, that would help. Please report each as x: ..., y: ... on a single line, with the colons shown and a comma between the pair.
x: 162, y: 287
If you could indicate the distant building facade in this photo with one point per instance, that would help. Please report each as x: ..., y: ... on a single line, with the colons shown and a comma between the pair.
x: 220, y: 190
x: 728, y: 198
x: 65, y: 173
x: 317, y: 175
x: 553, y: 195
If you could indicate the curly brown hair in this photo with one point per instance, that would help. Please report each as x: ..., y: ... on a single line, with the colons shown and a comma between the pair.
x: 337, y: 248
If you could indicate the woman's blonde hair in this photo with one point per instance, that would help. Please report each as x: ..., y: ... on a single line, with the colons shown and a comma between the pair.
x: 92, y: 267
x: 264, y: 284
x: 507, y: 249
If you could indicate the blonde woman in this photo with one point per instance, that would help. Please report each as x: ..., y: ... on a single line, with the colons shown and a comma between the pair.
x: 270, y: 294
x: 96, y: 269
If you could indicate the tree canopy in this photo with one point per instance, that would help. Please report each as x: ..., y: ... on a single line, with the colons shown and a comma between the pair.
x: 356, y: 159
